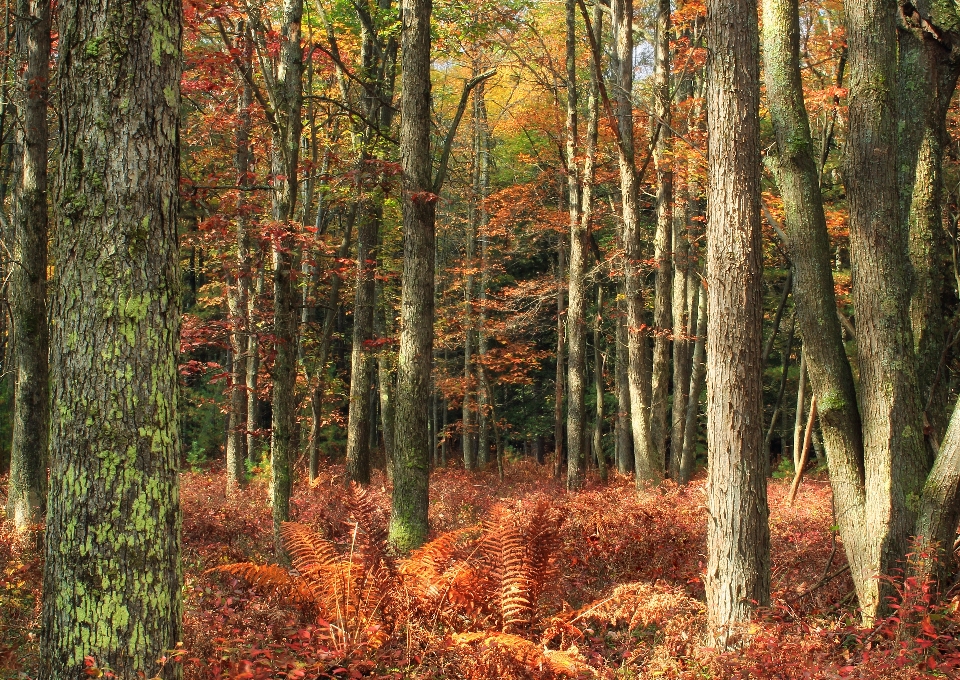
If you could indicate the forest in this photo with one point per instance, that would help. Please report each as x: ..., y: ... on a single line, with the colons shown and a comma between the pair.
x: 439, y: 339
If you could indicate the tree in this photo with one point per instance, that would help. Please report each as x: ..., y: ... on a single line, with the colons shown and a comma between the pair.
x: 408, y: 521
x: 288, y: 95
x: 738, y: 538
x: 112, y: 578
x: 648, y: 462
x: 26, y: 498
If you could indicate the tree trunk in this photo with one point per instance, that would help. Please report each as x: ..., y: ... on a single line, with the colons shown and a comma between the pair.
x: 823, y: 352
x: 625, y: 462
x: 576, y: 313
x: 286, y: 163
x: 698, y: 381
x: 27, y: 491
x: 238, y: 294
x: 112, y: 575
x: 559, y: 385
x: 663, y: 237
x: 895, y: 455
x: 253, y: 364
x: 599, y: 360
x: 648, y: 461
x: 738, y: 538
x: 361, y: 364
x: 484, y: 392
x: 408, y: 522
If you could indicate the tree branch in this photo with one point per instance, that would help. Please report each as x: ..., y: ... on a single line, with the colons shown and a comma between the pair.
x: 452, y: 132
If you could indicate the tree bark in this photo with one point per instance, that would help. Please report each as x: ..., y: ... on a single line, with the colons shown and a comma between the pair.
x: 663, y: 236
x: 648, y: 462
x: 286, y: 161
x: 738, y: 538
x: 625, y: 462
x: 698, y: 380
x: 896, y: 460
x: 112, y: 574
x: 361, y: 363
x: 27, y: 490
x: 408, y: 521
x: 576, y: 313
x: 238, y: 294
x: 826, y: 361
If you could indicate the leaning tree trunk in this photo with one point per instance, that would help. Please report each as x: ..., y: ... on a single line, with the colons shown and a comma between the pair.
x: 738, y: 538
x: 408, y: 521
x: 27, y: 489
x: 112, y: 575
x: 663, y: 237
x: 824, y: 357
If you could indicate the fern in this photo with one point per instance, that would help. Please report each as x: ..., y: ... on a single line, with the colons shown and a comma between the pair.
x: 268, y: 578
x: 502, y: 655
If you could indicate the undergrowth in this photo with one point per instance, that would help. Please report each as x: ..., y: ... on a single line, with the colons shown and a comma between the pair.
x: 520, y: 580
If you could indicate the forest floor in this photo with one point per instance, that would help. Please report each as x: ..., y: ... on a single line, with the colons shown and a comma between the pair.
x: 522, y: 580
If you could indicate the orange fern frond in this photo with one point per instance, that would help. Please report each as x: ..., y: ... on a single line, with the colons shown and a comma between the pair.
x: 268, y: 578
x: 309, y: 553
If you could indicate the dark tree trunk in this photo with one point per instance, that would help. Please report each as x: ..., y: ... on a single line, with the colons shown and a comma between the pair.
x: 738, y: 538
x: 663, y: 238
x: 408, y: 522
x: 286, y: 162
x: 112, y: 575
x: 27, y: 489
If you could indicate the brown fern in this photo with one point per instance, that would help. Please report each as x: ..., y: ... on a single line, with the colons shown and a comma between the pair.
x: 502, y: 655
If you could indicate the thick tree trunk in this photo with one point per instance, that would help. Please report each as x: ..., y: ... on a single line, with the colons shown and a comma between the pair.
x: 408, y: 522
x: 825, y: 358
x: 927, y: 78
x: 738, y: 538
x: 663, y: 236
x: 648, y: 462
x: 286, y: 168
x: 895, y: 456
x: 27, y: 490
x: 112, y: 575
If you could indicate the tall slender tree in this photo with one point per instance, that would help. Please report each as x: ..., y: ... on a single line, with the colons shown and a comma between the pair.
x: 112, y: 576
x: 288, y: 95
x: 27, y: 489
